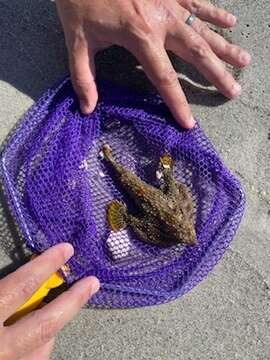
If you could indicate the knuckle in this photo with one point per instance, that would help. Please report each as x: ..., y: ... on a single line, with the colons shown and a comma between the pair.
x: 230, y: 49
x: 183, y: 103
x: 200, y: 49
x: 225, y: 77
x: 5, y: 299
x: 228, y: 79
x: 47, y: 330
x: 236, y: 51
x: 227, y: 48
x: 81, y: 86
x: 225, y: 81
x: 59, y: 256
x: 75, y: 40
x: 196, y: 6
x: 81, y: 299
x: 168, y: 78
x: 219, y: 13
x: 22, y: 288
x: 138, y: 28
x: 202, y: 28
x: 29, y: 285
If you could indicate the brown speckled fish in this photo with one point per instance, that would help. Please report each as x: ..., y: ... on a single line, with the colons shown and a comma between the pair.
x: 166, y: 215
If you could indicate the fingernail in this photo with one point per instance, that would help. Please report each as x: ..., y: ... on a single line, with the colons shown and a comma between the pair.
x: 85, y: 107
x: 231, y: 19
x: 68, y: 251
x: 245, y: 58
x: 236, y: 90
x: 93, y: 284
x: 192, y: 121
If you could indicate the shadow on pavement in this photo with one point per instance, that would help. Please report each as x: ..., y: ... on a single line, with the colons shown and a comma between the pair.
x: 33, y: 54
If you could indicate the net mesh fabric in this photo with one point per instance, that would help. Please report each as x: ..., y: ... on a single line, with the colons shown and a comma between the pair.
x: 58, y: 189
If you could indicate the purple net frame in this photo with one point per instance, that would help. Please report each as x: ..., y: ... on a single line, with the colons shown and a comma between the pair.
x: 58, y: 189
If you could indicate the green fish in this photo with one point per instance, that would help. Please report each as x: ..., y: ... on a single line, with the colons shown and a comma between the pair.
x: 166, y: 215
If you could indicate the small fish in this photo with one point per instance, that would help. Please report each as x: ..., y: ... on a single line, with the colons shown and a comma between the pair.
x: 166, y: 215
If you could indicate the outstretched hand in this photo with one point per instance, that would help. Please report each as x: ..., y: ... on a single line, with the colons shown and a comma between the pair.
x: 147, y: 28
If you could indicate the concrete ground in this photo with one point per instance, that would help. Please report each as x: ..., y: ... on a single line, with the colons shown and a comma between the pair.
x: 228, y: 315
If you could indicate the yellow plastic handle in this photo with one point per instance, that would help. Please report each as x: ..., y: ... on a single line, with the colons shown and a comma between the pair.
x: 53, y: 282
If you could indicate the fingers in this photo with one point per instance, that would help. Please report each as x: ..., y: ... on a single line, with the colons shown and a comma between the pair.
x: 81, y: 58
x: 18, y: 287
x: 82, y: 69
x: 209, y: 12
x: 190, y: 46
x: 230, y: 53
x: 160, y: 71
x: 39, y: 327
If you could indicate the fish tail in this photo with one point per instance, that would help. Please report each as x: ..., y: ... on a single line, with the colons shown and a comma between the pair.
x: 116, y: 213
x: 107, y: 153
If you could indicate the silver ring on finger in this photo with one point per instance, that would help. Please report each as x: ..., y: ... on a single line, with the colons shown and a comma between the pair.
x: 190, y: 20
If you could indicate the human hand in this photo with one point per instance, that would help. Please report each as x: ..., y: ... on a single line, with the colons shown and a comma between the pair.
x: 32, y: 337
x: 147, y: 28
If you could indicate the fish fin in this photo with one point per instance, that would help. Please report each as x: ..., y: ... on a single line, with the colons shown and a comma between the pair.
x: 166, y: 161
x: 166, y: 172
x: 107, y: 151
x: 116, y: 215
x: 190, y: 204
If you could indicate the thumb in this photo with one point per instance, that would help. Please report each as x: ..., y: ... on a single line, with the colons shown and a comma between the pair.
x: 82, y: 69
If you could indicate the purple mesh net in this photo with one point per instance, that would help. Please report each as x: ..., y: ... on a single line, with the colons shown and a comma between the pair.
x: 58, y: 189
